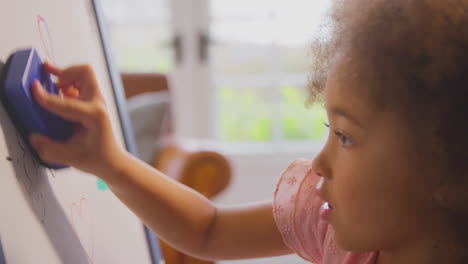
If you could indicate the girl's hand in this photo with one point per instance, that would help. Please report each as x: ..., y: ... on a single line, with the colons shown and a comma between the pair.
x: 92, y: 147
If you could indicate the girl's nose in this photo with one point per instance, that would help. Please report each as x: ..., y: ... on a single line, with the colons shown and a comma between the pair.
x: 319, y: 166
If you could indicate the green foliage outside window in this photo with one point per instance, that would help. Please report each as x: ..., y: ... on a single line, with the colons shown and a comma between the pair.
x: 246, y: 115
x: 298, y: 121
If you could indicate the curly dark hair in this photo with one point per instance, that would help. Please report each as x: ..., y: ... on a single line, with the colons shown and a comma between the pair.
x: 413, y: 57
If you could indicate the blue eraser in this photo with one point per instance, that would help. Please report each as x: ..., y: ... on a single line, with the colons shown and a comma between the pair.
x: 21, y: 69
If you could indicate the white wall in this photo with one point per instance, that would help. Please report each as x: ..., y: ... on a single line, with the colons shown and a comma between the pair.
x: 255, y: 175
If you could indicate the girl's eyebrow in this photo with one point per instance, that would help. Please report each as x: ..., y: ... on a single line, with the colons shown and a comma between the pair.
x: 334, y: 110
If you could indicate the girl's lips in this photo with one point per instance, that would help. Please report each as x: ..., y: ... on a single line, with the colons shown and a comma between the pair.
x: 325, y: 211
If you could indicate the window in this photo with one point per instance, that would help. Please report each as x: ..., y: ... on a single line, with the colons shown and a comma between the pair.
x: 260, y: 69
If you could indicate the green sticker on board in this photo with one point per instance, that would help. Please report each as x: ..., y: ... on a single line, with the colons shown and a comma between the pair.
x: 102, y: 185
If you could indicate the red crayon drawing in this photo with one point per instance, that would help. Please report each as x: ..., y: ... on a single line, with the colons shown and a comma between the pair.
x: 46, y: 38
x: 82, y: 223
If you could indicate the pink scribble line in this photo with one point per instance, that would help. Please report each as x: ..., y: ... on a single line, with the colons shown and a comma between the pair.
x: 50, y: 53
x: 80, y: 214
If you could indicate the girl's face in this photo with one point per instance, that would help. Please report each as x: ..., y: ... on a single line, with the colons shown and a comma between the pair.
x: 374, y: 179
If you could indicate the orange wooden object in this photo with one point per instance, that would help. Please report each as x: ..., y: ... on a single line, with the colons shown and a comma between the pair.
x: 206, y: 171
x: 138, y: 83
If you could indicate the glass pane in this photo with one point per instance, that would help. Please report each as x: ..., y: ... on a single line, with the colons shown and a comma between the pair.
x: 240, y: 59
x: 124, y: 11
x: 140, y: 49
x: 295, y: 59
x: 266, y: 21
x: 299, y: 122
x: 245, y: 114
x: 139, y: 34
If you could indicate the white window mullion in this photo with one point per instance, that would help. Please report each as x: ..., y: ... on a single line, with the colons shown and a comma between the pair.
x: 205, y: 88
x: 191, y: 86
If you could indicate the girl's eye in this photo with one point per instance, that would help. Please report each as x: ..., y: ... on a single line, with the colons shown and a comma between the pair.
x: 344, y: 140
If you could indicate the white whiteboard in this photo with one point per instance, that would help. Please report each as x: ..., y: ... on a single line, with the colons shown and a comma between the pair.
x: 61, y: 216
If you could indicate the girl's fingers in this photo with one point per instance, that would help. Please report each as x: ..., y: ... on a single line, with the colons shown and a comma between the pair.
x: 80, y: 76
x: 70, y: 91
x: 73, y: 74
x: 50, y: 150
x: 62, y: 84
x: 51, y: 68
x: 70, y: 109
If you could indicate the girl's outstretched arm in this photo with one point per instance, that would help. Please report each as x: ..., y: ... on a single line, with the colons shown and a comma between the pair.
x: 177, y: 214
x: 192, y: 223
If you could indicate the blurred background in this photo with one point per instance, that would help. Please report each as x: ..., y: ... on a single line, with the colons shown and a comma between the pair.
x: 237, y: 72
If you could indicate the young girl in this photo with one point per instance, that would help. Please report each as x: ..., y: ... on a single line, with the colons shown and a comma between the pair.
x: 389, y: 185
